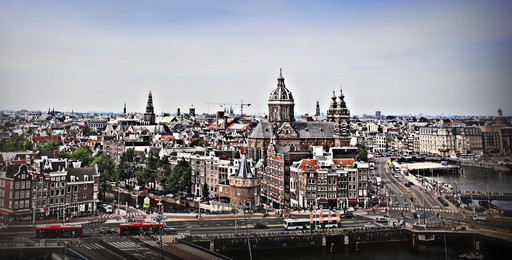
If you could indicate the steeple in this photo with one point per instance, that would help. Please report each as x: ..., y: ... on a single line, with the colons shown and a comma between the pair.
x: 149, y: 106
x: 281, y: 103
x: 124, y: 109
x: 317, y: 108
x: 149, y: 116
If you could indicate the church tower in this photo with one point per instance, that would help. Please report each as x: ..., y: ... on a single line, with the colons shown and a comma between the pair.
x: 340, y: 115
x: 280, y: 103
x: 149, y: 116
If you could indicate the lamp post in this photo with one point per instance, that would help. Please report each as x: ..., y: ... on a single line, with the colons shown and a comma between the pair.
x: 160, y: 218
x: 247, y: 231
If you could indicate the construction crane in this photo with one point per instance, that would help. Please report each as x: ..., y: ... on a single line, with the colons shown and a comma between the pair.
x: 241, y: 104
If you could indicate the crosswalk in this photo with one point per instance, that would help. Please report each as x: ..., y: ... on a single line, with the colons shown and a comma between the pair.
x: 123, y: 245
x: 419, y: 209
x: 135, y: 215
x: 91, y: 246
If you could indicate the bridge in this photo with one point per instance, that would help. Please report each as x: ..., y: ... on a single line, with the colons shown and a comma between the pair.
x: 476, y: 195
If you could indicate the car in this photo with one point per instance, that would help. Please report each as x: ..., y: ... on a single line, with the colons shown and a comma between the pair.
x: 407, y: 184
x: 109, y: 209
x: 170, y: 195
x: 382, y: 220
x: 3, y: 225
x: 107, y: 230
x: 347, y: 215
x: 260, y: 226
x: 478, y: 217
x: 169, y: 230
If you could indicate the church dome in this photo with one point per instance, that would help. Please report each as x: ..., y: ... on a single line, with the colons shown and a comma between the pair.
x: 281, y: 95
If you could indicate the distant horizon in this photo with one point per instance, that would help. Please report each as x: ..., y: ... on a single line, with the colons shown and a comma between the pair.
x: 159, y: 113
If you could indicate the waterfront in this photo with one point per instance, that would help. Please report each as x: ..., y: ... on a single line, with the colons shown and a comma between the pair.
x: 482, y: 180
x: 377, y: 251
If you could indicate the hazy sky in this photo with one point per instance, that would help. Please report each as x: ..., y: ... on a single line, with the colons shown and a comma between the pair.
x: 400, y: 57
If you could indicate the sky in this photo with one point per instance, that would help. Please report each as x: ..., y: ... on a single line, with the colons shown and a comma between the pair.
x: 398, y: 57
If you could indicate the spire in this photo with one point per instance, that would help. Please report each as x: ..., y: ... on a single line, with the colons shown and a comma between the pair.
x: 124, y: 109
x: 317, y: 108
x: 244, y: 169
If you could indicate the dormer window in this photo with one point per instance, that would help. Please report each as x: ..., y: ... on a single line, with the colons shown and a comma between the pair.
x: 86, y: 177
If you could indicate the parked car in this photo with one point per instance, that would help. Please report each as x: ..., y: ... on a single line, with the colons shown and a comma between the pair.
x: 260, y: 226
x: 2, y: 226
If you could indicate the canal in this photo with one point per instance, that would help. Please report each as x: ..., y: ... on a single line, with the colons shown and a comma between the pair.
x: 378, y: 251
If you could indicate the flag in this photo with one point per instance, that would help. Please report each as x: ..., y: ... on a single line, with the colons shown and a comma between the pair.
x: 321, y: 217
x: 311, y: 217
x: 330, y: 216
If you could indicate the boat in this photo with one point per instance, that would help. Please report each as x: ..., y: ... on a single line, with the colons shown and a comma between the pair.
x: 472, y: 255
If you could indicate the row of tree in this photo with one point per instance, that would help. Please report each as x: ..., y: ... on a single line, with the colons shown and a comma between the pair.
x: 156, y: 170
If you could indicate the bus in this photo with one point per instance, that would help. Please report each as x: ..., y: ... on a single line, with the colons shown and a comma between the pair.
x: 59, y: 231
x: 134, y: 229
x: 305, y: 223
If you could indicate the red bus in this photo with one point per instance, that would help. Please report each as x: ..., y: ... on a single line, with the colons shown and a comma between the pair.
x: 134, y: 229
x: 58, y: 231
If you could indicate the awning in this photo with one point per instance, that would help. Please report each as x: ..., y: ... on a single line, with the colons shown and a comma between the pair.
x: 5, y: 212
x: 353, y: 202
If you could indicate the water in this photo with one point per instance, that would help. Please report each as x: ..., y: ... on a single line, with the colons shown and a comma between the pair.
x: 377, y: 251
x: 479, y: 179
x: 482, y: 180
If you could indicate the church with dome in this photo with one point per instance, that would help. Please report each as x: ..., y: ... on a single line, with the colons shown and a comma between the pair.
x: 288, y: 135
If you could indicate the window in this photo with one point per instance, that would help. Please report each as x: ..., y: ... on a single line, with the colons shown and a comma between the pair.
x: 22, y: 194
x: 16, y: 195
x: 69, y: 189
x: 68, y: 198
x: 85, y: 195
x: 75, y: 188
x: 27, y: 184
x: 15, y: 204
x: 22, y: 185
x: 27, y: 194
x: 75, y: 197
x: 85, y: 186
x: 16, y: 185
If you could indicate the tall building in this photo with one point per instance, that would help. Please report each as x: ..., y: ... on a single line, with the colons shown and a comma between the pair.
x: 340, y: 115
x: 279, y: 141
x: 149, y: 116
x: 283, y: 130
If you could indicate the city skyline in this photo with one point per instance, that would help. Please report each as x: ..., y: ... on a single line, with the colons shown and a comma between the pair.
x: 398, y: 57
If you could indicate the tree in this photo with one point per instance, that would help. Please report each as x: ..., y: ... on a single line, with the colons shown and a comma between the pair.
x: 14, y: 144
x: 82, y: 154
x: 363, y: 153
x: 206, y: 191
x: 106, y: 168
x: 127, y: 164
x: 184, y: 172
x: 48, y: 146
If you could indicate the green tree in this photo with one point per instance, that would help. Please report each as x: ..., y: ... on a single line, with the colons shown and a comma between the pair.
x: 106, y: 168
x: 14, y: 144
x: 48, y: 146
x: 127, y: 164
x: 206, y: 191
x: 82, y: 154
x: 28, y: 145
x: 164, y: 171
x: 363, y: 153
x: 183, y: 173
x: 198, y: 142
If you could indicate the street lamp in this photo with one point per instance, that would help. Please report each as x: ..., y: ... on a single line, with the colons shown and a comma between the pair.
x: 160, y: 218
x: 246, y: 230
